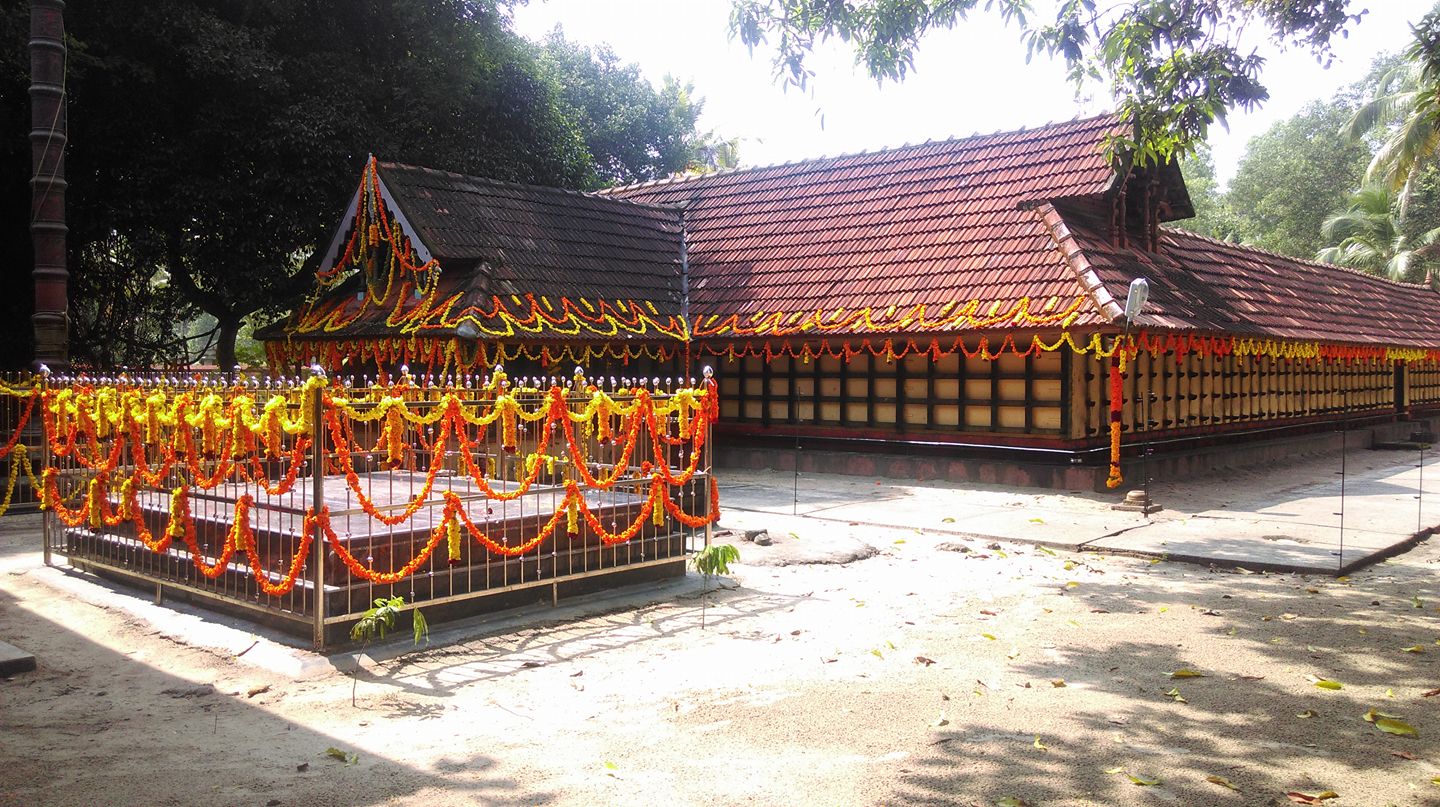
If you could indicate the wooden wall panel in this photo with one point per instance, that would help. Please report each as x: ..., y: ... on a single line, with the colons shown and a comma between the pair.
x: 1164, y: 393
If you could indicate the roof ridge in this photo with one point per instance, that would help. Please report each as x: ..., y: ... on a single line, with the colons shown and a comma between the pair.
x: 1072, y: 256
x: 684, y: 177
x: 1350, y: 270
x: 507, y: 183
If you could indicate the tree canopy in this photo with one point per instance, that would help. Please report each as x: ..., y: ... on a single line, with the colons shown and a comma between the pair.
x: 633, y: 131
x: 213, y: 142
x: 1295, y: 175
x: 1405, y: 104
x: 1173, y: 67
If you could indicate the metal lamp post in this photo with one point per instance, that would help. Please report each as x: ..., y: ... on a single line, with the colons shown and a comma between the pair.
x: 1138, y: 500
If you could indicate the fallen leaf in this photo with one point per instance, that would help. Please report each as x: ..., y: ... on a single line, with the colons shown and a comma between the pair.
x: 1221, y: 781
x: 1432, y: 693
x: 1326, y: 683
x: 1403, y: 755
x: 1289, y: 616
x: 1369, y: 717
x: 1174, y: 694
x: 1040, y: 745
x: 344, y: 756
x: 1344, y: 578
x: 1140, y: 780
x: 1058, y: 683
x: 1072, y: 584
x: 1307, y: 713
x: 924, y: 660
x: 1114, y: 770
x: 1037, y: 521
x: 1306, y: 798
x: 988, y: 612
x: 1398, y: 727
x: 989, y: 636
x: 1252, y: 677
x: 1185, y: 672
x: 1047, y: 550
x: 1243, y: 570
x: 1069, y: 564
x: 1312, y: 591
x: 899, y: 540
x: 1414, y: 648
x: 1417, y: 602
x: 1389, y: 693
x: 948, y: 520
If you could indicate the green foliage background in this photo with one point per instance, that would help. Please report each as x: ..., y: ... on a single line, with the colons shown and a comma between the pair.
x: 212, y: 143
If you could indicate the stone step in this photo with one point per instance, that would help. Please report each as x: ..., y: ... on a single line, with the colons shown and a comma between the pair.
x: 14, y: 660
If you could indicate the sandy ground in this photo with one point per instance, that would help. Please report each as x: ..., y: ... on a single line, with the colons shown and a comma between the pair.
x: 937, y: 671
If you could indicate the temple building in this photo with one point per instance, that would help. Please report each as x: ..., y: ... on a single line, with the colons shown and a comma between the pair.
x: 947, y: 310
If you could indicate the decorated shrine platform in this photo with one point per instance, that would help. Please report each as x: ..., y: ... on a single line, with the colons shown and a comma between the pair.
x: 449, y: 587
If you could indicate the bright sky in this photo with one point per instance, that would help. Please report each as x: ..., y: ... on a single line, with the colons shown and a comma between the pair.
x: 970, y: 79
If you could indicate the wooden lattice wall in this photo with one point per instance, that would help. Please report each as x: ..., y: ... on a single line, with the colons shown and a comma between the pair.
x: 1010, y: 395
x: 1060, y: 394
x: 1169, y: 394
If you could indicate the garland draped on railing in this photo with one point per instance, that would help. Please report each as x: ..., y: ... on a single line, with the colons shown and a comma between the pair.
x: 127, y: 437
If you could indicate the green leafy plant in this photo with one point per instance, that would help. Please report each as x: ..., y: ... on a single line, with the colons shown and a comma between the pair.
x: 712, y: 560
x: 379, y: 621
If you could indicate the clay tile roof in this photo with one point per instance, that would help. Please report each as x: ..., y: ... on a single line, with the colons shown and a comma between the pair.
x: 544, y: 241
x: 935, y: 223
x: 515, y: 261
x: 1201, y: 284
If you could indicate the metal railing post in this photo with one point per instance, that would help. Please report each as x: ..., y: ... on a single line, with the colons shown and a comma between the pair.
x: 713, y: 404
x: 46, y: 514
x: 317, y: 499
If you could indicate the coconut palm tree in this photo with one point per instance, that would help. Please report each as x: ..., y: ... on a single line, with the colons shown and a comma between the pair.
x: 1369, y: 236
x: 1407, y: 103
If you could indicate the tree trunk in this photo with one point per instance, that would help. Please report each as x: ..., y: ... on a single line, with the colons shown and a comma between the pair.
x: 225, y: 343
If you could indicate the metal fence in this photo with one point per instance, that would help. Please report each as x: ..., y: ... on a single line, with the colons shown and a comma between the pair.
x: 305, y: 501
x: 21, y: 432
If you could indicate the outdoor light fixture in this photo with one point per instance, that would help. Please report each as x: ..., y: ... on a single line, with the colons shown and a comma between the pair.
x: 1135, y: 299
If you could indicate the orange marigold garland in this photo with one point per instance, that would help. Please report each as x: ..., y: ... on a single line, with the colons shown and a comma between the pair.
x: 203, y: 439
x: 1117, y: 403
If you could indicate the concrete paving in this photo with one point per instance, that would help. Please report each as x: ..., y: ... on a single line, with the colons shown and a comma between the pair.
x: 14, y: 660
x: 1285, y: 517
